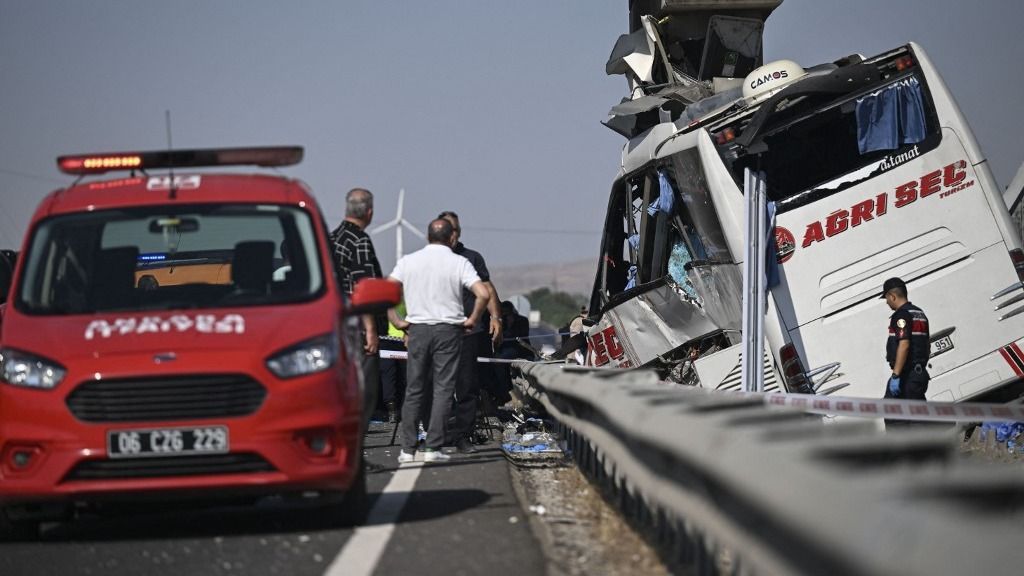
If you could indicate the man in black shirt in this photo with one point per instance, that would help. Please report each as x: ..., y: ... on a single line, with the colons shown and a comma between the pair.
x: 355, y: 259
x: 475, y: 343
x: 908, y: 347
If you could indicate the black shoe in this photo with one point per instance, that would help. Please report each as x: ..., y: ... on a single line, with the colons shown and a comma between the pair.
x: 464, y: 446
x: 392, y: 413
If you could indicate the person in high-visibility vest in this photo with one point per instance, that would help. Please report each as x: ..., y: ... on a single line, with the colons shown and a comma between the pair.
x: 392, y: 372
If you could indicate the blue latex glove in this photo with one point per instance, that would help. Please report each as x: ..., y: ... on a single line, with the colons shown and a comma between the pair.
x: 894, y: 385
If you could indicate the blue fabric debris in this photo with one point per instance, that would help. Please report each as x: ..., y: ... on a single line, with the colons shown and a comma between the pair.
x: 634, y: 241
x: 666, y: 196
x: 891, y: 117
x: 878, y: 121
x: 631, y: 277
x: 520, y: 448
x: 912, y: 122
x: 1009, y: 433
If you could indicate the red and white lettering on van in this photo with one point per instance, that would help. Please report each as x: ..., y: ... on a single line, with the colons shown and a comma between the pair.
x: 204, y: 323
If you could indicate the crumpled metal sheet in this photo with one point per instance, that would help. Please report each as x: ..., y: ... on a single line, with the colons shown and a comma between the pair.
x: 664, y: 318
x: 633, y: 53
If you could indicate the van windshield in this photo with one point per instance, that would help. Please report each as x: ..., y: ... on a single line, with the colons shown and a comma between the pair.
x: 170, y: 257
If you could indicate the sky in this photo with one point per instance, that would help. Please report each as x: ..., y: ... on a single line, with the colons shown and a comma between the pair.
x: 491, y: 109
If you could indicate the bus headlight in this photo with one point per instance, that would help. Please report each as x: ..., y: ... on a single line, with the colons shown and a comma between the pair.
x: 314, y: 355
x: 26, y: 370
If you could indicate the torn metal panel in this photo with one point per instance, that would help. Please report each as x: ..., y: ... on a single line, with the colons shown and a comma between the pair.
x: 663, y: 318
x: 637, y: 106
x: 732, y: 47
x: 633, y: 53
x: 672, y: 102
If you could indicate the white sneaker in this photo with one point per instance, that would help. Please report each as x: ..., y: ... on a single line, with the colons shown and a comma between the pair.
x: 404, y: 456
x: 435, y: 456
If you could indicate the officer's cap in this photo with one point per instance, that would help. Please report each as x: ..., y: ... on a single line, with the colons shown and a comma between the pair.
x: 892, y: 283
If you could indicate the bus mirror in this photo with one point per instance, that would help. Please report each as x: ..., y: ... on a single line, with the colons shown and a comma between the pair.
x: 373, y: 296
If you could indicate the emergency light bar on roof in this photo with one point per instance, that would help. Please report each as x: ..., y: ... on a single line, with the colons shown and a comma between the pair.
x: 82, y: 164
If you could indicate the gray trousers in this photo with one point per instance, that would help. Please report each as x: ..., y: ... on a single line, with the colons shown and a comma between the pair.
x: 434, y: 351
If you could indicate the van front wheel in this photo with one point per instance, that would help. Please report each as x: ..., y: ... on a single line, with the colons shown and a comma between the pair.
x: 353, y: 507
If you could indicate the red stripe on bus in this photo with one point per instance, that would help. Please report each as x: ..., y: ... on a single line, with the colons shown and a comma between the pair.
x: 1017, y: 352
x: 1009, y: 360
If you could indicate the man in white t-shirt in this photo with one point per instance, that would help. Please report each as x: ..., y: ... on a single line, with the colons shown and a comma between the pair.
x: 432, y: 280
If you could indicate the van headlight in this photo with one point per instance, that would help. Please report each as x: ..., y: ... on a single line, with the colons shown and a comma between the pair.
x: 314, y: 355
x: 26, y: 370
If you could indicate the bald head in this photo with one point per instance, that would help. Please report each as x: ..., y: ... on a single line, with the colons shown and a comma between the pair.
x: 440, y: 232
x: 359, y: 204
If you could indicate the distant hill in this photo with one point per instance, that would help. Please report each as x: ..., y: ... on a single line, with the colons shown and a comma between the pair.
x: 572, y: 277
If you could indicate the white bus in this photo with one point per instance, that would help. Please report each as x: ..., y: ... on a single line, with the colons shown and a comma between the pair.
x: 874, y: 173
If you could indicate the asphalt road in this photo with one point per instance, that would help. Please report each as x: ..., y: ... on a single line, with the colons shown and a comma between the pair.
x: 460, y: 517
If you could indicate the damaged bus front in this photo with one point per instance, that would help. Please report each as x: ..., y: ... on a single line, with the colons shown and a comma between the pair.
x: 872, y: 172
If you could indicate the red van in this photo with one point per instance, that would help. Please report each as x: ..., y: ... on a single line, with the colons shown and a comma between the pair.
x: 179, y: 335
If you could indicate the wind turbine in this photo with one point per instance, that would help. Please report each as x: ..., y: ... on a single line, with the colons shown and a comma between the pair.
x: 397, y: 224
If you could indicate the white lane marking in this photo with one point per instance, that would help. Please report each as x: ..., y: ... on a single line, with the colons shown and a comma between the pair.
x: 360, y: 555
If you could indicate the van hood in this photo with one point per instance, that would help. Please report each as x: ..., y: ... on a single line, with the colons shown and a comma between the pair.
x: 122, y: 334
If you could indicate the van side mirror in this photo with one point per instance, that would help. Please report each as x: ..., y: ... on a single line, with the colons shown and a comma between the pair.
x: 374, y: 295
x: 6, y: 277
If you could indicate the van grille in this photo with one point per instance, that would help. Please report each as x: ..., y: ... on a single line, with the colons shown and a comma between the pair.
x: 167, y: 467
x: 164, y: 399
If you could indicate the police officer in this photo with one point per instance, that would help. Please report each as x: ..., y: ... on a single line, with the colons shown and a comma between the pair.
x: 908, y: 347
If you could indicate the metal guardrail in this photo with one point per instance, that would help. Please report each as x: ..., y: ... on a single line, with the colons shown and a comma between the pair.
x: 727, y: 485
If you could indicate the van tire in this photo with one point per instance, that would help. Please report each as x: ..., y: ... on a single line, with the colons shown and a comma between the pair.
x: 353, y: 507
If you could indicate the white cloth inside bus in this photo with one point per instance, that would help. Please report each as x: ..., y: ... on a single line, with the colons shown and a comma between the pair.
x: 891, y: 117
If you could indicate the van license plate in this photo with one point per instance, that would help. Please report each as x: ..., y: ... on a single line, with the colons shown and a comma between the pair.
x: 944, y: 344
x: 157, y: 442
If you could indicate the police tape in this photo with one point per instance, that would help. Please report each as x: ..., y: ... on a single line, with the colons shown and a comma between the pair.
x: 917, y: 410
x: 403, y: 355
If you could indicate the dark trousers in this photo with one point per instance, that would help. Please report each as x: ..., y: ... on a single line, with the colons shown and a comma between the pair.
x: 467, y: 389
x: 502, y: 387
x: 392, y: 374
x: 371, y: 380
x: 913, y: 385
x: 433, y: 358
